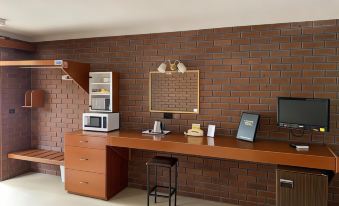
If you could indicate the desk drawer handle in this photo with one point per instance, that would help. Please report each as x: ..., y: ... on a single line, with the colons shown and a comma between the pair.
x: 83, y: 141
x: 83, y: 159
x: 81, y: 182
x: 286, y: 183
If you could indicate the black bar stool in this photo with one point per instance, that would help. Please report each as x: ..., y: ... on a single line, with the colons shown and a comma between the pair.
x: 167, y: 162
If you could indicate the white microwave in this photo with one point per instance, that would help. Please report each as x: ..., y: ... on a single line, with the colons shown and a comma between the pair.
x: 102, y: 122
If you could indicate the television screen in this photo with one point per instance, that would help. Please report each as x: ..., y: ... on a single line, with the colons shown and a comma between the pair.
x: 305, y: 113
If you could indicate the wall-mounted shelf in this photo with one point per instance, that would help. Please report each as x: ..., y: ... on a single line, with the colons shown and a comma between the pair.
x: 34, y: 98
x: 79, y: 72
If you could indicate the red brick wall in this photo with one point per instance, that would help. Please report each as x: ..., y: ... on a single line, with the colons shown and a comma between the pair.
x: 174, y: 92
x: 15, y: 128
x: 235, y: 182
x: 242, y: 69
x: 64, y: 104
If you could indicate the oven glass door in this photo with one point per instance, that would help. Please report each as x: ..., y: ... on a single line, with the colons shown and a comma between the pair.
x: 94, y: 122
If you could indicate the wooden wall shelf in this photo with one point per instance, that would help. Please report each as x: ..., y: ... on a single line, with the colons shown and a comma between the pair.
x: 79, y: 72
x: 15, y: 44
x: 34, y: 98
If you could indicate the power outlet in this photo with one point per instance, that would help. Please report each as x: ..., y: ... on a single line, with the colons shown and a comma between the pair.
x: 168, y: 115
x: 11, y: 111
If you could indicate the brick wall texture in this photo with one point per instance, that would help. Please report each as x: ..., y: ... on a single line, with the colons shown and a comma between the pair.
x: 241, y: 69
x: 174, y: 91
x: 15, y: 128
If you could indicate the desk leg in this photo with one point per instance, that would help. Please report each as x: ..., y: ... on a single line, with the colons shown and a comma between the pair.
x: 148, y: 187
x: 129, y: 154
x: 117, y: 179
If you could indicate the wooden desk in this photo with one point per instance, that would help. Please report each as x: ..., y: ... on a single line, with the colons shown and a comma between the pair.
x: 262, y: 151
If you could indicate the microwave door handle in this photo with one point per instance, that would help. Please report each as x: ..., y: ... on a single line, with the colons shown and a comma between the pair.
x: 86, y: 120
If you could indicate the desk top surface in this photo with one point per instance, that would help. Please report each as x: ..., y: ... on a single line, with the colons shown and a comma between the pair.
x: 263, y: 151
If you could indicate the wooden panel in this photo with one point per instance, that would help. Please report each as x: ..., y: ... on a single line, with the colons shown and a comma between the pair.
x: 86, y: 141
x: 262, y: 151
x: 290, y: 196
x: 316, y: 190
x: 84, y: 159
x: 310, y: 187
x: 79, y: 73
x: 334, y: 149
x: 40, y: 153
x: 38, y: 63
x: 25, y: 152
x: 37, y: 98
x: 117, y: 179
x: 28, y: 99
x: 14, y: 44
x: 85, y: 183
x: 115, y: 88
x: 56, y: 156
x: 36, y: 153
x: 41, y: 156
x: 34, y: 98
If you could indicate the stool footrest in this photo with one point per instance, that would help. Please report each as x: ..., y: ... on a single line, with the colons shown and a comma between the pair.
x: 152, y: 191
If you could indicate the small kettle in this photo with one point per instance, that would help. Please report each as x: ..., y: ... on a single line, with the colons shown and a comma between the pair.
x: 157, y: 127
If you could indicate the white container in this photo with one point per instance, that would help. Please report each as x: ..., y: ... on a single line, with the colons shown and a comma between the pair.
x: 62, y: 173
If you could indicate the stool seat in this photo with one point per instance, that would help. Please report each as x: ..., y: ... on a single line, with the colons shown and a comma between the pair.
x: 162, y: 161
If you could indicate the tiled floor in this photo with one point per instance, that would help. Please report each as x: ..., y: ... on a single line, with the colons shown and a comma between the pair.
x: 36, y: 189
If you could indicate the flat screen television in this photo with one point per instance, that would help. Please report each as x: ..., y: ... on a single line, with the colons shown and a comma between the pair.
x: 306, y: 113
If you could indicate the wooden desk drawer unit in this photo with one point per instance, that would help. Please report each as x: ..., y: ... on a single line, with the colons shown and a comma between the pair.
x: 296, y: 187
x: 86, y: 183
x: 92, y: 169
x: 84, y: 159
x: 86, y: 141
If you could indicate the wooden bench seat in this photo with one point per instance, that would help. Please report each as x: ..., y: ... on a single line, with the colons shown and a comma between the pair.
x: 40, y: 156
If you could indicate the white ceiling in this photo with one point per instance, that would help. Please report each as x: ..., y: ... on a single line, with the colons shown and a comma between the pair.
x: 44, y: 20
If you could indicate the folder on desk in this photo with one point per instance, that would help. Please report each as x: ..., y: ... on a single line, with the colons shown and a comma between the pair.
x: 248, y: 126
